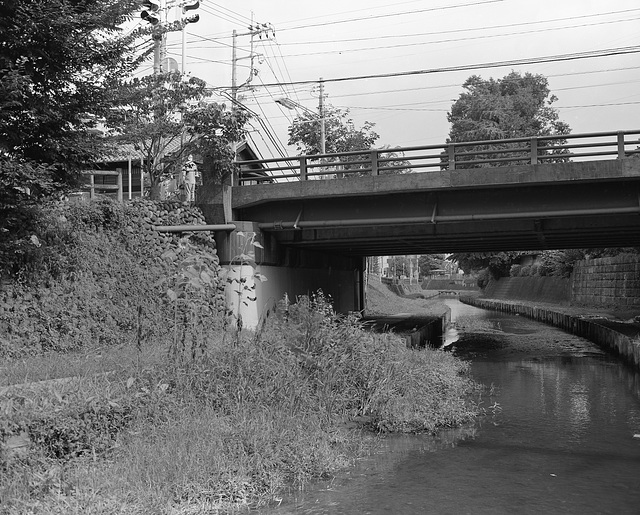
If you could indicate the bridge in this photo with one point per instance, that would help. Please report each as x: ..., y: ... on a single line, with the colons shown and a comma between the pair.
x: 327, y: 212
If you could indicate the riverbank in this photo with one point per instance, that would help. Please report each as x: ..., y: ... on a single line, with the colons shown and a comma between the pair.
x: 601, y: 326
x: 243, y: 421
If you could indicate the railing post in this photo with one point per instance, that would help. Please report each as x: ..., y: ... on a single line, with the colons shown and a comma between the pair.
x: 534, y: 151
x: 374, y: 163
x: 303, y: 168
x: 621, y: 145
x: 119, y: 182
x: 451, y: 151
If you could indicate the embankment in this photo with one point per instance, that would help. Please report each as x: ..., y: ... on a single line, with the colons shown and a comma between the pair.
x: 596, y: 330
x: 600, y: 302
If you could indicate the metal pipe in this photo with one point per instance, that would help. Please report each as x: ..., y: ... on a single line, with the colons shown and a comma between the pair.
x: 187, y: 228
x: 266, y: 226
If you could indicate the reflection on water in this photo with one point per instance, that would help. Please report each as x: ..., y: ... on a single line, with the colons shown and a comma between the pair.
x: 558, y: 436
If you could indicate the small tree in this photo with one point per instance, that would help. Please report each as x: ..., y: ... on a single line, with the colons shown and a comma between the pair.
x: 429, y: 262
x: 166, y: 117
x: 341, y: 135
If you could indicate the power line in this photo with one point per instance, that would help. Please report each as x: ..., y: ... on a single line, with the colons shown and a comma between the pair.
x: 458, y: 85
x: 221, y: 14
x: 598, y: 105
x: 220, y: 8
x: 454, y: 40
x: 390, y: 15
x: 496, y: 64
x: 467, y: 29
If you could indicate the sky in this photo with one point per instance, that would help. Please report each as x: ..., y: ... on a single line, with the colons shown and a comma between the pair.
x: 401, y: 65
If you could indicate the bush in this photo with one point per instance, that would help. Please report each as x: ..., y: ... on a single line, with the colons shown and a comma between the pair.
x: 237, y: 424
x: 90, y: 274
x: 514, y: 271
x: 543, y: 270
x: 484, y: 276
x: 525, y: 271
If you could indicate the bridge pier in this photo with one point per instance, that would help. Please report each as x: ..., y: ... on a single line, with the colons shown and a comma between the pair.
x: 286, y: 271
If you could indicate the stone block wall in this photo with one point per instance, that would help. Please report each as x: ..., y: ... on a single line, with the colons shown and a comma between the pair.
x: 555, y: 290
x: 610, y: 281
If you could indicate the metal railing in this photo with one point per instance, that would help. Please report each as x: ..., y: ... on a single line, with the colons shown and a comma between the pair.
x: 451, y: 156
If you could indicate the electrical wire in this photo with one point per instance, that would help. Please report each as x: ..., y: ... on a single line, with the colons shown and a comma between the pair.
x: 466, y: 29
x: 235, y: 13
x: 218, y: 13
x: 455, y: 40
x: 467, y: 67
x: 390, y: 15
x: 458, y: 85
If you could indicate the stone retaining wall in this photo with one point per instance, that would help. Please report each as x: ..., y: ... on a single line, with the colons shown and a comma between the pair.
x: 555, y: 290
x: 610, y: 281
x: 610, y: 339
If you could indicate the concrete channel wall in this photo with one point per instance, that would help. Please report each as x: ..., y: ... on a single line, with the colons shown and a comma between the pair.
x: 610, y: 339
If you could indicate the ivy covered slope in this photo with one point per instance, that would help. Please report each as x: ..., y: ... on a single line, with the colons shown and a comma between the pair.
x: 84, y: 275
x: 166, y: 409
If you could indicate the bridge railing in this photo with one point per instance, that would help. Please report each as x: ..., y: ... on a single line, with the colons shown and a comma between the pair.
x: 451, y: 156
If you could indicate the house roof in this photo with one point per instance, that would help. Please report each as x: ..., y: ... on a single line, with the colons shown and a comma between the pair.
x: 124, y: 151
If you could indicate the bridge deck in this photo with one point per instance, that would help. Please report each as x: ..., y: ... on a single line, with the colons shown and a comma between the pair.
x: 513, y: 207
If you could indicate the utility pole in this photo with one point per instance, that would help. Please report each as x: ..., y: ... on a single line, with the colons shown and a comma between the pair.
x: 258, y: 29
x: 234, y: 73
x: 321, y: 113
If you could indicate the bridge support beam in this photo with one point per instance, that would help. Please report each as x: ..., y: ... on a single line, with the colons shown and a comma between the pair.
x: 288, y: 271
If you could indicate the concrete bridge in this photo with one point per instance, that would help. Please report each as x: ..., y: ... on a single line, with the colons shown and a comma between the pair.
x: 317, y: 217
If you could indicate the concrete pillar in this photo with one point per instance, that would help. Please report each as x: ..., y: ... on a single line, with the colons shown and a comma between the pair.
x: 259, y: 276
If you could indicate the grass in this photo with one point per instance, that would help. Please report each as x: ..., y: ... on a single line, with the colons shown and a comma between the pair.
x: 381, y: 301
x: 232, y: 428
x: 123, y: 410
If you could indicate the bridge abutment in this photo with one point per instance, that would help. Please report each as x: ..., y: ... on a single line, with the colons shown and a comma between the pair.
x: 260, y: 272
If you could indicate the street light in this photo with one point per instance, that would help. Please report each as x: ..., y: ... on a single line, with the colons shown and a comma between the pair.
x: 292, y: 105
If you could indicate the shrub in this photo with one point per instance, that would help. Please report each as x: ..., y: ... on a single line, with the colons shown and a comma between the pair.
x: 544, y: 270
x: 89, y: 274
x: 241, y: 421
x: 484, y: 276
x: 514, y: 271
x: 525, y: 271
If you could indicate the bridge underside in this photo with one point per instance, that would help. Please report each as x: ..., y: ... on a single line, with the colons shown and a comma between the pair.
x: 532, y: 234
x: 535, y: 207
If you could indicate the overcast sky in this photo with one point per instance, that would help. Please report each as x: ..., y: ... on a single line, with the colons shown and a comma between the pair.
x: 420, y: 53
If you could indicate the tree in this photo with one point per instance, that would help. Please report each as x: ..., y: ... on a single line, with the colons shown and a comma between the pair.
x: 57, y: 59
x: 498, y: 263
x: 515, y: 106
x: 161, y: 112
x: 429, y: 262
x: 492, y: 110
x: 341, y: 135
x: 373, y: 265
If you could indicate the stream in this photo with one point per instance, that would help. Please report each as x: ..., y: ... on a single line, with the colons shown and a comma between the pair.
x: 561, y: 435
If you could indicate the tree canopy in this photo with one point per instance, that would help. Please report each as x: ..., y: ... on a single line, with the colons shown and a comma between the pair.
x: 497, y: 109
x: 341, y: 135
x: 168, y: 116
x: 498, y: 263
x: 57, y: 60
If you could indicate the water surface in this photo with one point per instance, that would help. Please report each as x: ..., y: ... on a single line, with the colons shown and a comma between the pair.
x: 561, y: 435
